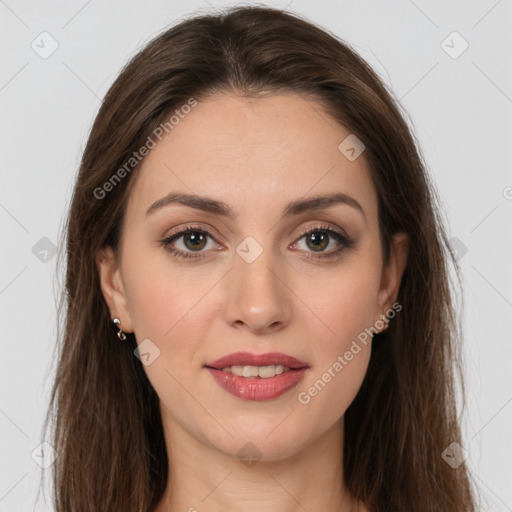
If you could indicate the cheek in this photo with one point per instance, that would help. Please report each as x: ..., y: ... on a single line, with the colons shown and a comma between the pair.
x: 160, y: 295
x: 330, y: 390
x: 169, y: 306
x: 165, y: 309
x: 346, y: 306
x: 341, y: 365
x: 345, y: 301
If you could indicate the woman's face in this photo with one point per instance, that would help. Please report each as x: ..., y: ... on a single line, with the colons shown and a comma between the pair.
x: 252, y: 281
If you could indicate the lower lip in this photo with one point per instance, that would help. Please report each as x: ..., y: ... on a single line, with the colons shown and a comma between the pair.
x: 257, y: 388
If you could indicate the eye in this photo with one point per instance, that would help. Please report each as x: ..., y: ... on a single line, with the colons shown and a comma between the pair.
x: 320, y: 238
x: 194, y: 241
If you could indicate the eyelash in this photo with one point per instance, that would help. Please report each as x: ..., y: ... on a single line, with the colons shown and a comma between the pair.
x: 339, y: 237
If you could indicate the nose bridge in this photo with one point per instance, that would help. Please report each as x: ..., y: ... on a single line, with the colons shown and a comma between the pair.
x: 257, y: 294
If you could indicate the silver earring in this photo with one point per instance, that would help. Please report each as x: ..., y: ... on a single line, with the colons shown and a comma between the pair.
x: 120, y: 334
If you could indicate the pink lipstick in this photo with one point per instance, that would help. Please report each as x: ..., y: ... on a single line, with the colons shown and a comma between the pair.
x: 257, y: 376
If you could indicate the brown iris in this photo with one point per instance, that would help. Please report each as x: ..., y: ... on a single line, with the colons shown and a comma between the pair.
x: 197, y: 240
x: 320, y: 241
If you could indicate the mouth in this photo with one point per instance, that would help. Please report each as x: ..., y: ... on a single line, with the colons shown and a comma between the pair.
x: 257, y: 377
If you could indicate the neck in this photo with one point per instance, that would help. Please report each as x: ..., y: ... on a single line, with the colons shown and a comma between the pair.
x: 204, y: 478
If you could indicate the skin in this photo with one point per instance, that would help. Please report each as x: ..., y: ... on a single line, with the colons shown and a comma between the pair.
x: 256, y: 156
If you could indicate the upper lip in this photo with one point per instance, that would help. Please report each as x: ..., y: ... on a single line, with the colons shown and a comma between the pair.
x: 250, y: 359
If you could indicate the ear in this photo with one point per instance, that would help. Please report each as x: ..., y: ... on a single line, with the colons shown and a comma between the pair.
x: 112, y: 287
x: 392, y: 273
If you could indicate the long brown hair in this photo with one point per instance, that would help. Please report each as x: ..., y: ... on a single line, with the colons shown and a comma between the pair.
x: 107, y: 427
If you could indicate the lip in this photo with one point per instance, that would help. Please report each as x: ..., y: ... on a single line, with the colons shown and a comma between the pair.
x: 250, y: 359
x: 256, y: 388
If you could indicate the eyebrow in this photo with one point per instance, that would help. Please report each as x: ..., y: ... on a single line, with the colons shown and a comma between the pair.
x: 207, y: 204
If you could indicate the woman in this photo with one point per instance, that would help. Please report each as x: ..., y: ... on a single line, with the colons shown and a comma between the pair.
x: 259, y: 313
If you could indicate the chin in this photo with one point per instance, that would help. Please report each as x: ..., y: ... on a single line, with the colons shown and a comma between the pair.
x: 266, y: 441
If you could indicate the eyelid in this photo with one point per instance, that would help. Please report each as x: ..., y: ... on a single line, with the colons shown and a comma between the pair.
x: 323, y: 227
x: 209, y: 230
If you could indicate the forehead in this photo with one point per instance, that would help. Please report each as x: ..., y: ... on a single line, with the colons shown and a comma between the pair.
x: 252, y: 154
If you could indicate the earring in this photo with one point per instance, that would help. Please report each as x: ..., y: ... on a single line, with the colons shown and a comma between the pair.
x: 120, y: 334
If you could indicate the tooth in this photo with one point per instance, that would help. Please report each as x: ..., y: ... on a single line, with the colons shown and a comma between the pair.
x: 266, y: 371
x: 250, y: 371
x: 237, y: 370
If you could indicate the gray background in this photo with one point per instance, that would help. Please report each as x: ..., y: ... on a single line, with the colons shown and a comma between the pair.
x: 460, y: 109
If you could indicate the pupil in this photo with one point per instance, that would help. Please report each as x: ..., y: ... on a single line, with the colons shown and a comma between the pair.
x: 318, y: 240
x: 196, y: 239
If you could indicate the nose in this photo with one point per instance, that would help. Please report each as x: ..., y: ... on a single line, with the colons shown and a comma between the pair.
x: 257, y: 295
